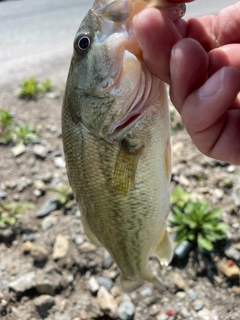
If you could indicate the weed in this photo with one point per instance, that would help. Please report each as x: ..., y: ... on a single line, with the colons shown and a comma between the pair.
x: 24, y: 133
x: 64, y: 193
x: 31, y: 88
x: 193, y: 221
x: 10, y: 213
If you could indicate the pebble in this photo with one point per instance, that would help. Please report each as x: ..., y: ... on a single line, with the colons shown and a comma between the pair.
x: 47, y: 177
x: 47, y: 208
x: 182, y: 249
x: 107, y: 260
x: 179, y: 281
x: 3, y: 194
x: 146, y: 292
x: 192, y: 295
x: 43, y: 304
x: 87, y: 247
x: 23, y: 283
x: 93, y: 285
x: 39, y: 254
x: 162, y: 316
x: 7, y: 235
x: 59, y: 162
x: 105, y: 282
x: 18, y: 149
x: 233, y: 253
x: 39, y: 185
x: 206, y: 314
x: 28, y: 237
x: 197, y: 305
x: 48, y: 222
x: 126, y: 309
x: 78, y: 239
x: 40, y: 151
x: 231, y: 272
x: 107, y: 303
x: 61, y: 247
x: 181, y: 295
x: 27, y: 246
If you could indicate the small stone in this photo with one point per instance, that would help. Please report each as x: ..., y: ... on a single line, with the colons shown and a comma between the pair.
x: 7, y: 235
x: 39, y: 254
x: 231, y: 168
x: 182, y: 249
x: 107, y: 303
x: 3, y: 303
x: 162, y: 316
x: 78, y: 239
x: 23, y: 283
x: 192, y: 295
x: 126, y: 309
x: 28, y: 237
x: 3, y: 194
x: 147, y: 292
x: 197, y: 305
x: 83, y: 315
x: 39, y: 185
x: 46, y: 286
x: 61, y: 247
x: 59, y: 162
x: 181, y: 295
x: 87, y: 247
x: 18, y: 150
x: 48, y: 207
x: 37, y: 193
x: 206, y: 314
x: 48, y: 222
x: 93, y: 285
x: 40, y: 151
x: 53, y: 95
x: 236, y: 290
x: 108, y: 260
x: 27, y: 246
x: 47, y: 177
x: 179, y: 281
x: 233, y: 253
x: 43, y: 304
x: 231, y: 272
x: 105, y: 282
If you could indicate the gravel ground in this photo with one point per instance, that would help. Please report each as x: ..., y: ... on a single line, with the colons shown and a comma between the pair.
x: 50, y: 270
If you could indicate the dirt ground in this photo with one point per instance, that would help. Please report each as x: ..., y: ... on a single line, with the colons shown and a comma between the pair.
x: 50, y: 270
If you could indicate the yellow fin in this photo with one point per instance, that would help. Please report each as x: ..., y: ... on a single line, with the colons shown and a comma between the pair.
x: 163, y: 250
x: 125, y: 169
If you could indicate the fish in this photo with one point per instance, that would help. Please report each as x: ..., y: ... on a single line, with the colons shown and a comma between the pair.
x: 116, y: 139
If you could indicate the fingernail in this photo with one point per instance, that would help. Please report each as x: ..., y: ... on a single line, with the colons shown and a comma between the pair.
x: 213, y: 86
x: 174, y: 61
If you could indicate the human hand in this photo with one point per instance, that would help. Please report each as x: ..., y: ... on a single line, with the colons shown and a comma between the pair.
x: 201, y: 89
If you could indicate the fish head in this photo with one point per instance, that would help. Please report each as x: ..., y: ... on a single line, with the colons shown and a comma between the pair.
x: 107, y: 84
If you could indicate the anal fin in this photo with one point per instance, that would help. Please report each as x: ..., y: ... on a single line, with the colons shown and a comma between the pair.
x: 163, y: 250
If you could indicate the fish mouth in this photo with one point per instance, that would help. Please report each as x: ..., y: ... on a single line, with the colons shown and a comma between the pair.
x: 138, y: 105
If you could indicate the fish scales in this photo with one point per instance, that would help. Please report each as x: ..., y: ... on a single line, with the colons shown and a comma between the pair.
x: 116, y: 136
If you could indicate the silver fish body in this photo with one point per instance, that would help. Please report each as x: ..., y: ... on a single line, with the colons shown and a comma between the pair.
x: 115, y: 126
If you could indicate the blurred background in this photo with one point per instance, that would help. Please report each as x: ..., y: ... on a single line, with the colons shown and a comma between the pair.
x: 36, y: 36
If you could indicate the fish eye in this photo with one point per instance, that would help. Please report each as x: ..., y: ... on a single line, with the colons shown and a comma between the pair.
x: 82, y: 42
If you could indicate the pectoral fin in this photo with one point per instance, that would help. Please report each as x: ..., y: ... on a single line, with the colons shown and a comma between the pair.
x: 163, y: 250
x: 125, y: 169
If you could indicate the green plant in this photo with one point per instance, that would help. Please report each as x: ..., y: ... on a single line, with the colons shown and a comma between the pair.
x: 194, y: 221
x: 179, y: 197
x: 31, y: 88
x: 24, y: 133
x: 64, y: 193
x: 16, y: 133
x: 10, y: 212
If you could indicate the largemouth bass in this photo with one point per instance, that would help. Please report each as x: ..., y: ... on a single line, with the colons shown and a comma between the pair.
x: 115, y: 126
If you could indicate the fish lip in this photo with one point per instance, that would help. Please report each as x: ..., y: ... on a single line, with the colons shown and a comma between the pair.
x: 136, y: 108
